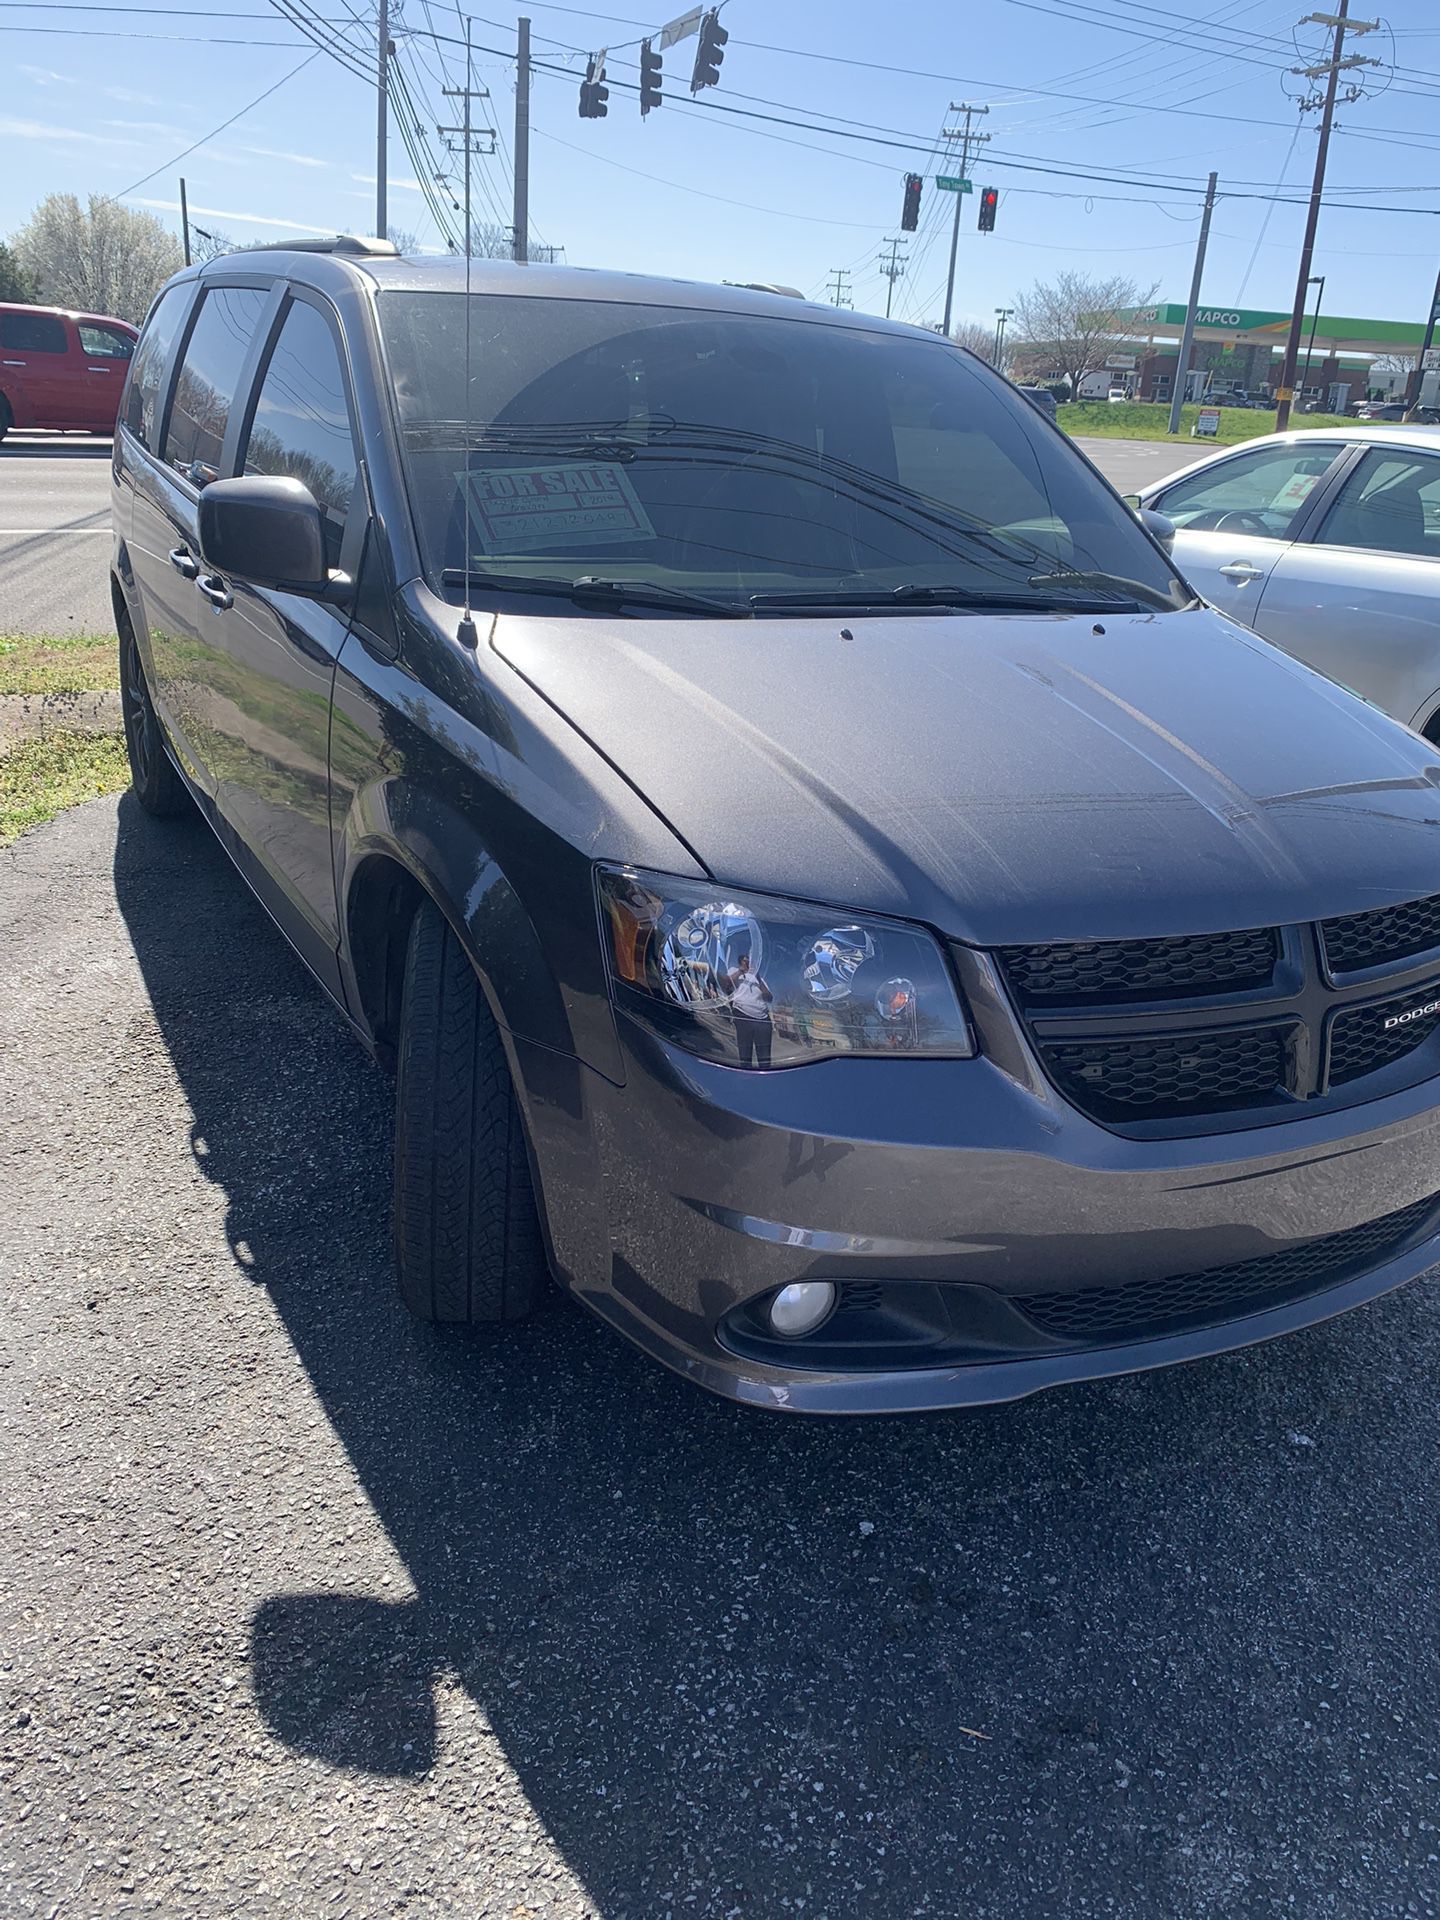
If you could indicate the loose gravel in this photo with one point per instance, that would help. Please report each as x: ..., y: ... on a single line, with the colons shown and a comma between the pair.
x: 307, y: 1611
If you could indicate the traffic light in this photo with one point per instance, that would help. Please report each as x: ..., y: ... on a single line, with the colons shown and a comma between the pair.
x: 910, y: 211
x: 709, y: 53
x: 593, y: 90
x: 650, y: 94
x: 989, y: 200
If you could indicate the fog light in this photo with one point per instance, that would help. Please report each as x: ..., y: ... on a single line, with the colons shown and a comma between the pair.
x: 799, y: 1308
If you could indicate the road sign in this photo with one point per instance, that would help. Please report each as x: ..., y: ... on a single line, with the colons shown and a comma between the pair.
x: 1430, y: 360
x: 947, y: 183
x: 1207, y: 424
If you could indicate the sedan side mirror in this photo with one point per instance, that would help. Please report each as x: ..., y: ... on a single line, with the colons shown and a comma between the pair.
x: 267, y: 531
x: 1157, y: 526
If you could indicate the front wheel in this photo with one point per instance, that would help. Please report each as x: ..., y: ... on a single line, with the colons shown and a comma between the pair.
x: 467, y: 1233
x: 156, y: 784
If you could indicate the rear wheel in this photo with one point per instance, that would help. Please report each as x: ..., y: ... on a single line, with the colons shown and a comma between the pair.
x: 157, y: 786
x: 467, y: 1234
x: 7, y: 419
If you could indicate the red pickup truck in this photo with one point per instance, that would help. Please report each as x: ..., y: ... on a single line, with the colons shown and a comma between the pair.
x: 62, y: 370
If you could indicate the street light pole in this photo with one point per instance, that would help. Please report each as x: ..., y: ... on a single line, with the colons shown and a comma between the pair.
x: 1414, y: 389
x: 1187, y: 338
x: 1315, y: 280
x: 1002, y: 314
x: 967, y: 139
x: 382, y: 119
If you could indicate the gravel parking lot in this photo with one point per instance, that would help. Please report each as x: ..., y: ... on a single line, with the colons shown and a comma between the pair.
x: 307, y: 1611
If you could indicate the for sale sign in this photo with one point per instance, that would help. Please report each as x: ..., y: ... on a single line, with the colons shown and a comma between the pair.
x: 1207, y: 424
x: 518, y: 509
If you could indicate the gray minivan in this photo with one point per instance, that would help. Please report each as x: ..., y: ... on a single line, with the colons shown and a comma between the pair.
x: 832, y: 897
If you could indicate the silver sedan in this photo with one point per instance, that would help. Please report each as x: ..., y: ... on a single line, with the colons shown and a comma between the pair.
x: 1326, y: 542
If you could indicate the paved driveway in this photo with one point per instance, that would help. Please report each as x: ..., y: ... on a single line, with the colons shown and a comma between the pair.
x: 307, y: 1611
x: 54, y: 534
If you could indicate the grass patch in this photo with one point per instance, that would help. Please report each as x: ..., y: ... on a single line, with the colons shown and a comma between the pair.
x: 40, y: 778
x: 1144, y: 420
x: 58, y: 663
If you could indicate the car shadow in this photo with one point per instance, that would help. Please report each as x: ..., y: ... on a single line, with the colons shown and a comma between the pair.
x: 1060, y: 1657
x: 18, y: 446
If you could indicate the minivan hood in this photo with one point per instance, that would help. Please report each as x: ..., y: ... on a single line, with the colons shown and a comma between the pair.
x: 1005, y: 778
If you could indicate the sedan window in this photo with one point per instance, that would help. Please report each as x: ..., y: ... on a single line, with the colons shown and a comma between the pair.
x: 105, y: 343
x: 1259, y: 491
x: 1389, y: 504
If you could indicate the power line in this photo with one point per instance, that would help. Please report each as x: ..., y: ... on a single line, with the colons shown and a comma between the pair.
x: 204, y: 140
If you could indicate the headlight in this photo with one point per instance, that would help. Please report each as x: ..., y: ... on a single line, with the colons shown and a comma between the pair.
x: 756, y: 981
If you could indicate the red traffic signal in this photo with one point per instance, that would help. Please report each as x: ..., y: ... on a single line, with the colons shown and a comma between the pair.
x: 910, y: 211
x: 989, y: 200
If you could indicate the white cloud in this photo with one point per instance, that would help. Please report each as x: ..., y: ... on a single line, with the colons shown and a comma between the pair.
x: 295, y: 159
x: 128, y: 97
x: 162, y: 127
x: 46, y: 76
x: 228, y: 213
x: 368, y: 180
x: 40, y: 130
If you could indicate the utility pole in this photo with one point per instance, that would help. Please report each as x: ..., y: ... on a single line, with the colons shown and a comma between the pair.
x: 1331, y: 70
x: 1415, y: 386
x: 967, y: 139
x: 185, y: 219
x: 521, y: 214
x: 382, y: 119
x: 1002, y: 314
x: 1315, y: 280
x: 468, y: 131
x: 840, y: 293
x: 893, y: 270
x: 1187, y: 340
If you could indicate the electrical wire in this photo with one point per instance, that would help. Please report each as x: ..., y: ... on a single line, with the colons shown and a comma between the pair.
x: 214, y: 132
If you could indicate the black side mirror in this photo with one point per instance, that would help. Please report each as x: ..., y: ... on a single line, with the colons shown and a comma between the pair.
x: 267, y: 531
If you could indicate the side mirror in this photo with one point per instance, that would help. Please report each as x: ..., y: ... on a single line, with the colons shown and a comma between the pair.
x: 1158, y: 527
x: 267, y: 531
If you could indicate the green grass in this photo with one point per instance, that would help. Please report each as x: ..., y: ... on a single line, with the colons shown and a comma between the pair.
x: 40, y: 778
x: 1142, y: 420
x: 58, y: 663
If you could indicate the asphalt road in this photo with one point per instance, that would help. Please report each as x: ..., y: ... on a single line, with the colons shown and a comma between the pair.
x: 54, y: 534
x: 55, y: 518
x: 307, y: 1611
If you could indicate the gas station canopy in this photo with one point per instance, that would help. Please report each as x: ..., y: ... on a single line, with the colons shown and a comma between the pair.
x: 1250, y: 326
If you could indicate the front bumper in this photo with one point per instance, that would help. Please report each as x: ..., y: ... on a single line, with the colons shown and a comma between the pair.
x: 708, y: 1187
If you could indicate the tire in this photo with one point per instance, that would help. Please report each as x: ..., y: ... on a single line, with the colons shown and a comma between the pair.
x: 153, y: 779
x: 7, y: 419
x: 468, y: 1246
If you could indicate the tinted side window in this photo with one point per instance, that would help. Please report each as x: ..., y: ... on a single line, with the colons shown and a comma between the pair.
x: 1389, y: 504
x: 301, y: 426
x: 140, y: 409
x: 104, y: 343
x: 33, y: 333
x: 209, y: 375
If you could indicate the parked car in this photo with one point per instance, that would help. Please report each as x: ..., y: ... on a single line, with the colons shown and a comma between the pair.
x: 1326, y: 541
x: 1042, y: 398
x: 1380, y: 410
x: 831, y: 895
x: 61, y: 370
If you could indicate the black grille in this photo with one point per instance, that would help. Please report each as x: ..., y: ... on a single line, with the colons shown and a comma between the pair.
x: 1149, y: 1306
x: 1173, y: 1075
x: 1142, y: 969
x: 1386, y: 934
x: 1361, y: 1042
x: 858, y: 1296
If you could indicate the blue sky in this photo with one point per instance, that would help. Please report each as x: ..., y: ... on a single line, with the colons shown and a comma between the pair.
x: 1132, y: 105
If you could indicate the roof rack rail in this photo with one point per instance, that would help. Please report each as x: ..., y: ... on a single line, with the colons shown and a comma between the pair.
x: 341, y: 243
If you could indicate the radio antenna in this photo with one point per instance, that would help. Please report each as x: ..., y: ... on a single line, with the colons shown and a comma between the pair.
x: 468, y: 635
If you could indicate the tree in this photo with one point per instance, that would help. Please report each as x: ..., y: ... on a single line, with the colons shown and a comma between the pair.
x: 15, y: 283
x: 975, y: 335
x: 1074, y: 323
x: 403, y: 239
x: 102, y: 258
x: 1395, y: 362
x: 208, y: 243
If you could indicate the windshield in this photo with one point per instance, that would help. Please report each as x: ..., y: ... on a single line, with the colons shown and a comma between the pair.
x: 643, y: 454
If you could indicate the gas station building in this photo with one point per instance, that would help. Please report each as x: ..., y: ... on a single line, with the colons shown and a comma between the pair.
x: 1239, y: 349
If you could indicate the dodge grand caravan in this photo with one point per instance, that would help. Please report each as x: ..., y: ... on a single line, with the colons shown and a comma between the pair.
x: 61, y: 371
x: 831, y: 896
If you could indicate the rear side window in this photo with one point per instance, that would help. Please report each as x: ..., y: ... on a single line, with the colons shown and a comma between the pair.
x: 145, y: 388
x: 33, y: 333
x: 301, y: 426
x: 104, y: 343
x: 1389, y: 504
x: 209, y: 375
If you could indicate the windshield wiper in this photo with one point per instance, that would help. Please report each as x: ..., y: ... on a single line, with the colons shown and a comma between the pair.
x: 1143, y: 599
x: 589, y: 590
x: 893, y: 598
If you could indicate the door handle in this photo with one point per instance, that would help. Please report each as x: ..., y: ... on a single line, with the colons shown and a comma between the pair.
x: 1241, y: 572
x: 14, y: 363
x: 215, y: 591
x: 98, y: 369
x: 181, y: 561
